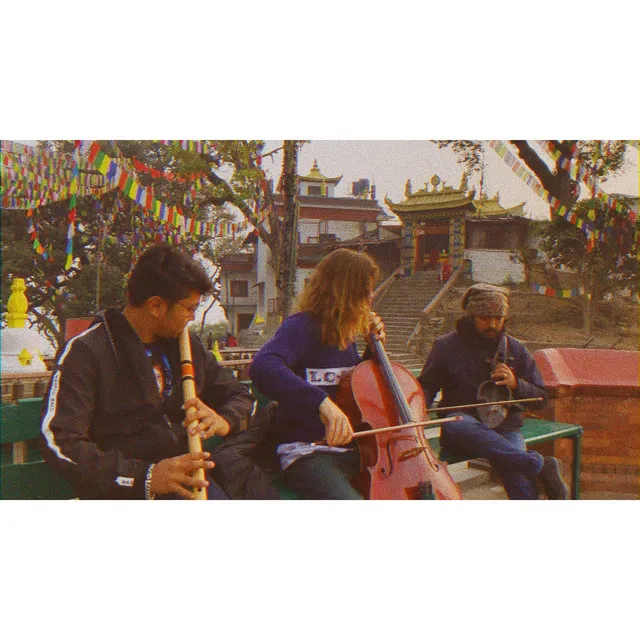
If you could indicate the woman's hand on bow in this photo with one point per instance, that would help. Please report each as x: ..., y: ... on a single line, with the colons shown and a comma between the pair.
x: 338, y: 430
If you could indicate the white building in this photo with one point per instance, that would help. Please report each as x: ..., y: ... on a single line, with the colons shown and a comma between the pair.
x: 325, y: 221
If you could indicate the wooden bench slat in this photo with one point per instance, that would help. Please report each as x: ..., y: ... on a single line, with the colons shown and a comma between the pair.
x: 235, y: 363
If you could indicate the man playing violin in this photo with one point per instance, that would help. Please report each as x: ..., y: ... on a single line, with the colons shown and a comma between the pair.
x: 300, y: 368
x: 465, y: 361
x: 115, y: 418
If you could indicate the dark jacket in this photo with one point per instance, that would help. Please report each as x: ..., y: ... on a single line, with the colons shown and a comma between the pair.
x: 247, y: 467
x: 459, y: 363
x: 104, y: 421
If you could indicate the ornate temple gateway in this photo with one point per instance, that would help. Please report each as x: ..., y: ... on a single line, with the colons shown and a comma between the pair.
x: 439, y: 218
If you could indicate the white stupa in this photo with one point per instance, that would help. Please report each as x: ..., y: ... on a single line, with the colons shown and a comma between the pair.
x: 19, y: 345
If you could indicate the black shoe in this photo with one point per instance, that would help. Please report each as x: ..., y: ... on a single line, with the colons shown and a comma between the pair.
x: 552, y: 481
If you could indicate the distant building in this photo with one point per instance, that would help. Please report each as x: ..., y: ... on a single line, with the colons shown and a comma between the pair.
x: 325, y: 222
x: 439, y: 218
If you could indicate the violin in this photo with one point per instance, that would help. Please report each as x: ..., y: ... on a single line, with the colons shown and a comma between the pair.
x: 396, y: 464
x: 493, y: 397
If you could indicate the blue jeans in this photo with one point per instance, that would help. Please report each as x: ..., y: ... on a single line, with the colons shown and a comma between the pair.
x: 325, y: 476
x: 505, y: 450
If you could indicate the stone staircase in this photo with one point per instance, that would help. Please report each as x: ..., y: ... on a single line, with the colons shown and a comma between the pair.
x: 400, y: 309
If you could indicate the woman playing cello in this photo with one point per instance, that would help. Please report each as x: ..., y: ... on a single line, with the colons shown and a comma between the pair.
x: 300, y: 368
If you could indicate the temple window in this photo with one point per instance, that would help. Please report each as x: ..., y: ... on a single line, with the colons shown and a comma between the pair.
x: 239, y: 288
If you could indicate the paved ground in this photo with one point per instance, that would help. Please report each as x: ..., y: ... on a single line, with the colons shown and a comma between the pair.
x: 477, y: 485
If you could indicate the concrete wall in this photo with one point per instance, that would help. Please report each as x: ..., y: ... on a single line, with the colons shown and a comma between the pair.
x: 494, y: 266
x: 343, y: 229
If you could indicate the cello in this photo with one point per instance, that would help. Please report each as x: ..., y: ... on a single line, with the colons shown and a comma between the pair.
x: 395, y: 464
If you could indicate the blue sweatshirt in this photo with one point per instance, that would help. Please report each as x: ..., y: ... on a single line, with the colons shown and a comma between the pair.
x: 297, y: 370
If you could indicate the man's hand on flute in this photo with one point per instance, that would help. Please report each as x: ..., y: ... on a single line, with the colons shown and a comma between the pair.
x: 174, y: 475
x: 209, y: 424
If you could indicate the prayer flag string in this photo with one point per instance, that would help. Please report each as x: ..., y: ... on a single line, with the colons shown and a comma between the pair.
x: 73, y: 211
x: 590, y: 230
x: 576, y: 292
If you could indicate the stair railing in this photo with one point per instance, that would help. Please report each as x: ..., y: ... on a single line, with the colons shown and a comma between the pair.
x: 433, y: 303
x: 383, y: 287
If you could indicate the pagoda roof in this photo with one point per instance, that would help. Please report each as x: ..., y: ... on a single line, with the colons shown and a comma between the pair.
x: 490, y: 207
x: 316, y: 176
x: 436, y: 199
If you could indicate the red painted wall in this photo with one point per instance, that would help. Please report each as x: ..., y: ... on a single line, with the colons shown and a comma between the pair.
x: 600, y: 390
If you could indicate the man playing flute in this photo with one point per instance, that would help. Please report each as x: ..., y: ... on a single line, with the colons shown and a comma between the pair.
x: 114, y: 422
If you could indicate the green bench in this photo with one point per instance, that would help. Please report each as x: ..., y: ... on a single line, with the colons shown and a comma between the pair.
x: 534, y: 431
x: 24, y: 475
x: 537, y: 431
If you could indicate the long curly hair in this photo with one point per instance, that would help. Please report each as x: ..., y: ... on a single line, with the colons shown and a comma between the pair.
x: 337, y: 295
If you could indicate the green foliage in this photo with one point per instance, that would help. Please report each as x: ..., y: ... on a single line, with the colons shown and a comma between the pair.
x: 604, y: 157
x: 83, y: 290
x: 218, y: 331
x: 111, y: 231
x: 469, y: 152
x: 225, y: 246
x: 611, y: 265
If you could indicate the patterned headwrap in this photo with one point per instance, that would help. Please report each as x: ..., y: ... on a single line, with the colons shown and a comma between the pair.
x: 485, y: 300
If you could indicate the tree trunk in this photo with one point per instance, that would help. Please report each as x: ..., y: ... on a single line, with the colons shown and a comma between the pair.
x: 587, y: 307
x: 558, y: 184
x: 289, y: 226
x: 587, y: 315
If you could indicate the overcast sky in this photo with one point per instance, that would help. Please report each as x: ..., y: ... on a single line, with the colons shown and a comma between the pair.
x: 389, y: 163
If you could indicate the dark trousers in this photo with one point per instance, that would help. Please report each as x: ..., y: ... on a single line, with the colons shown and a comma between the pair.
x: 325, y: 476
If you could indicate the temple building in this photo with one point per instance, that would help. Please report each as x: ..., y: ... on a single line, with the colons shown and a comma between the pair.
x: 325, y: 222
x: 442, y: 220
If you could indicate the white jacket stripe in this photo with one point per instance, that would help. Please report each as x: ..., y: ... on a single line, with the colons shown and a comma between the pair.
x: 53, y: 399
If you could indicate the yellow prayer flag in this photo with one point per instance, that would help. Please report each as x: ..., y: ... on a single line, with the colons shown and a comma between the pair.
x: 104, y: 165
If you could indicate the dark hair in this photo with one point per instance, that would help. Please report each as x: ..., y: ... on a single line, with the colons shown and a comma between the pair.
x: 167, y: 272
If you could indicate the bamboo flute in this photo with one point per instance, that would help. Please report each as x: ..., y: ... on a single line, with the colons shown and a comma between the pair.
x: 189, y: 391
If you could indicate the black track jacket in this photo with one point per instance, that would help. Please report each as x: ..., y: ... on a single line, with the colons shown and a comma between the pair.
x: 104, y: 421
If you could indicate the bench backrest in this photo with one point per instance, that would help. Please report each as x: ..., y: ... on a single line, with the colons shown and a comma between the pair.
x: 21, y: 421
x: 30, y: 478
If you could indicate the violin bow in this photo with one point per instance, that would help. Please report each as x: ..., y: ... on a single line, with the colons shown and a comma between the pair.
x: 485, y: 404
x: 189, y: 391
